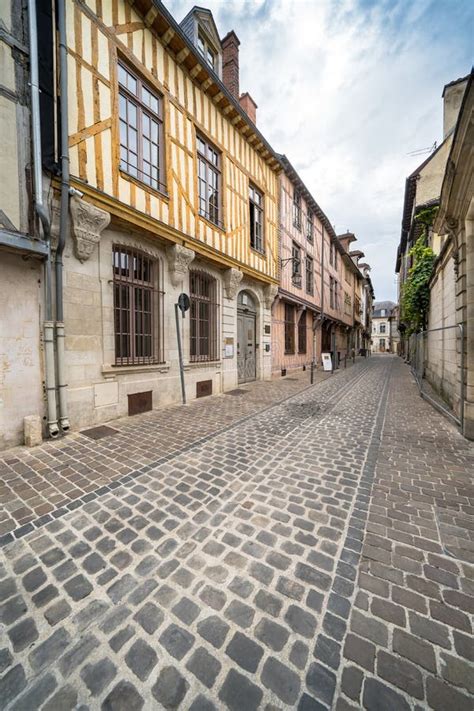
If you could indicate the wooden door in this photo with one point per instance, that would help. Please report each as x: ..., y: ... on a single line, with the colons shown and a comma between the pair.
x: 246, y: 351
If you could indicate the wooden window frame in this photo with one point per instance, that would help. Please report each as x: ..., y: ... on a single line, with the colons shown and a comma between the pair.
x: 309, y: 274
x: 302, y: 333
x: 129, y: 291
x: 289, y: 329
x: 143, y: 111
x: 199, y: 333
x: 255, y: 211
x: 296, y: 277
x: 208, y: 47
x: 297, y: 209
x: 203, y: 159
x: 310, y: 226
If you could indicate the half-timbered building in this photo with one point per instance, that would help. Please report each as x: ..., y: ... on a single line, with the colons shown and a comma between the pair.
x: 174, y: 191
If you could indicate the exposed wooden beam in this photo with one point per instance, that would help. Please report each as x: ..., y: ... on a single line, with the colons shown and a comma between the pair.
x: 195, y: 70
x: 227, y: 109
x: 150, y: 16
x: 181, y: 56
x: 167, y: 36
x: 236, y: 119
x: 218, y: 97
x: 206, y: 84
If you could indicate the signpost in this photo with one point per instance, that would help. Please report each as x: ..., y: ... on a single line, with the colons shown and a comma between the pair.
x: 183, y: 306
x: 327, y: 362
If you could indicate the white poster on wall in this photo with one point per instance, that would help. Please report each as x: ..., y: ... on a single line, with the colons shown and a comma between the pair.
x: 327, y: 361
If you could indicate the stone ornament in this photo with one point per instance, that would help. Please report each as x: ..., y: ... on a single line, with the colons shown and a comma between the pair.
x: 179, y: 259
x: 269, y: 293
x: 88, y: 223
x: 232, y: 279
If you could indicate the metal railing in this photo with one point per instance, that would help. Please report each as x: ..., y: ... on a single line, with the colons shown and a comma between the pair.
x: 436, y: 357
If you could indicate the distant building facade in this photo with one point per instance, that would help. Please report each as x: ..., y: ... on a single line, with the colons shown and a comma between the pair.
x: 385, y: 327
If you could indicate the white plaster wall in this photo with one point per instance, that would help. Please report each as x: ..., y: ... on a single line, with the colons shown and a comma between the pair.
x: 20, y: 359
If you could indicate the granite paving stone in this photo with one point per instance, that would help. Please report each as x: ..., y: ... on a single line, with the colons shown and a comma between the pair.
x: 289, y: 548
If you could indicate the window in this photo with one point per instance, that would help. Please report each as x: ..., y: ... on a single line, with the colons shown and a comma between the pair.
x: 309, y: 275
x: 296, y: 209
x: 382, y: 328
x: 138, y: 307
x: 141, y: 130
x: 336, y: 294
x: 309, y: 226
x: 289, y: 329
x: 203, y: 293
x: 209, y: 179
x: 331, y: 292
x: 256, y: 218
x: 335, y: 257
x: 296, y: 265
x: 302, y: 333
x: 206, y: 51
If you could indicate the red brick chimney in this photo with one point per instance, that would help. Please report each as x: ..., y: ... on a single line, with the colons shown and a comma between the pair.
x: 249, y: 106
x: 230, y: 63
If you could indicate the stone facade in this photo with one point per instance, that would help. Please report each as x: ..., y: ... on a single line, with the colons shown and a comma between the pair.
x: 21, y: 273
x: 384, y: 328
x: 451, y: 359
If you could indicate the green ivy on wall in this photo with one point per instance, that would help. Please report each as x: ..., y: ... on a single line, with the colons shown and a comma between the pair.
x: 415, y: 298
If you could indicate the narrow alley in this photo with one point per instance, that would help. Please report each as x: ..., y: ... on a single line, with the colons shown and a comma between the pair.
x: 309, y: 549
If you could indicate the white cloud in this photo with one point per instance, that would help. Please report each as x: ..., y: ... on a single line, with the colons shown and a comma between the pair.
x: 347, y: 89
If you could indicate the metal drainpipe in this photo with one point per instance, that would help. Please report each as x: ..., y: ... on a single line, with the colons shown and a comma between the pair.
x: 41, y: 211
x: 63, y: 219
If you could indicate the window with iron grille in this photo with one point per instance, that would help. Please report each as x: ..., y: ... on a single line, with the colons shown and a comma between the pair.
x: 297, y: 209
x: 302, y: 333
x: 309, y: 275
x: 141, y: 130
x: 309, y: 226
x: 289, y: 329
x: 203, y: 296
x: 138, y: 308
x: 296, y: 265
x: 256, y: 218
x: 209, y: 181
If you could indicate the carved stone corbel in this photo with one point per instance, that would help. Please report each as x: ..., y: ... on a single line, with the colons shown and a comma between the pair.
x: 269, y: 293
x: 232, y: 279
x: 179, y: 259
x: 88, y: 223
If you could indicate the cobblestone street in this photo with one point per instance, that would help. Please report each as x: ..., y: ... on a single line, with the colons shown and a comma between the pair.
x: 300, y: 547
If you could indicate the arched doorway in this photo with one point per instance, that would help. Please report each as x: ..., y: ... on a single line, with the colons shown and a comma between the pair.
x: 246, y: 345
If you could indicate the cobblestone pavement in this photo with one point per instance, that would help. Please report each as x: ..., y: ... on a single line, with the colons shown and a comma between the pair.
x: 313, y: 556
x: 35, y: 482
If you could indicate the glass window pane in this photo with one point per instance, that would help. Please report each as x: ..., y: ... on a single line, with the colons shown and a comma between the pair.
x: 132, y: 139
x: 122, y: 107
x: 132, y: 114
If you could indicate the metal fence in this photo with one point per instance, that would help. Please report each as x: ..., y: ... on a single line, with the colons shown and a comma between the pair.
x: 436, y: 357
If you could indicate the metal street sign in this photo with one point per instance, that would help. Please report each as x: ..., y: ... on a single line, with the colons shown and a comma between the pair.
x: 183, y: 303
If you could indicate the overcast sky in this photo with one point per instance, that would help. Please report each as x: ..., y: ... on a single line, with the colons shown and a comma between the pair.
x: 347, y: 89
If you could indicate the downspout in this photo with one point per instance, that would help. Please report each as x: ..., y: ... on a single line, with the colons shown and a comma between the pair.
x: 41, y: 211
x: 63, y: 219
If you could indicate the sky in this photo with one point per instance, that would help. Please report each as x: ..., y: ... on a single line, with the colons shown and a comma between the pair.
x: 347, y: 89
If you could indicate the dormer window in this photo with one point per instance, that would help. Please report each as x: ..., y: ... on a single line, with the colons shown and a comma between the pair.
x: 206, y: 51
